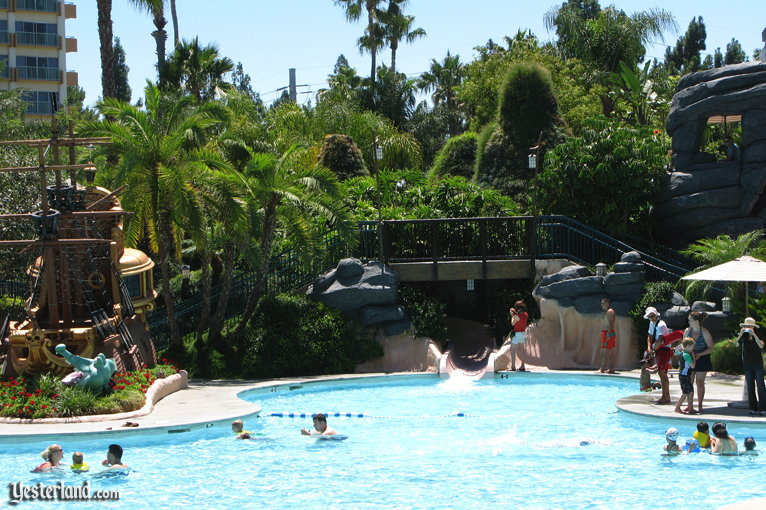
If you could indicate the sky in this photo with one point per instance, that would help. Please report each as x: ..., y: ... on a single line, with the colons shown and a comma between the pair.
x: 270, y: 36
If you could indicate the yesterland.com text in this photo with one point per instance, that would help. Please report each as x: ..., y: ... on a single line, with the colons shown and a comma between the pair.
x: 18, y: 492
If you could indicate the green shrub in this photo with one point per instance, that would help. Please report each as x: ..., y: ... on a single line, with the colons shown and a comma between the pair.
x: 340, y: 154
x: 291, y: 335
x: 655, y: 293
x: 428, y: 315
x: 727, y: 357
x: 457, y: 157
x: 14, y: 308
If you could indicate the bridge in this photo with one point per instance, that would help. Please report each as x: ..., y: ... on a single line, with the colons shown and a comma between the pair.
x: 435, y: 250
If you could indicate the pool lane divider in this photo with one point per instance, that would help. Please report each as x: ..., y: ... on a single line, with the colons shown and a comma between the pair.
x: 363, y: 415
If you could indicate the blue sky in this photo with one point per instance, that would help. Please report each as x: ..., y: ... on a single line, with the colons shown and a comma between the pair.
x: 271, y: 36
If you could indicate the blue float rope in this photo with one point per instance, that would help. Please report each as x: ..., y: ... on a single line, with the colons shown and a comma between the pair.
x: 362, y: 415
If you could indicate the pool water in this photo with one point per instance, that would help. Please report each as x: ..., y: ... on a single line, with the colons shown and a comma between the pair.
x: 423, y: 442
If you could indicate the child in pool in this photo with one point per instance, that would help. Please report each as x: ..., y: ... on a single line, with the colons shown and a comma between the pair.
x: 749, y: 446
x: 671, y: 436
x: 648, y: 368
x: 78, y: 464
x: 702, y: 435
x: 237, y: 427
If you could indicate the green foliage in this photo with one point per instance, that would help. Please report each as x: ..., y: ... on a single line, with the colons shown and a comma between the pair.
x: 14, y: 308
x: 457, y: 157
x: 734, y: 53
x: 655, y: 293
x: 120, y: 68
x: 608, y: 177
x: 685, y: 57
x: 197, y: 70
x: 428, y: 314
x: 727, y: 357
x: 292, y: 335
x: 341, y: 155
x: 407, y: 194
x: 718, y: 250
x: 444, y: 78
x: 429, y: 127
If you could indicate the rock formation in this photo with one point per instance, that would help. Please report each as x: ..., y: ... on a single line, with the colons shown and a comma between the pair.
x: 365, y: 292
x: 704, y: 197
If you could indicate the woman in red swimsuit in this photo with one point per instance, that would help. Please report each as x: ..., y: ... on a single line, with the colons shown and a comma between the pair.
x: 519, y: 320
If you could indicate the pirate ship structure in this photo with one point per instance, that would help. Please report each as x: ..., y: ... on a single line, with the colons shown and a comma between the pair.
x: 86, y: 289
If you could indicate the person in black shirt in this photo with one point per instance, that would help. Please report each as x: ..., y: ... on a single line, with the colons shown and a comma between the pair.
x: 752, y: 362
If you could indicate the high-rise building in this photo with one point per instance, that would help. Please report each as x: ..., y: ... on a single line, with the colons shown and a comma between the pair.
x: 33, y: 48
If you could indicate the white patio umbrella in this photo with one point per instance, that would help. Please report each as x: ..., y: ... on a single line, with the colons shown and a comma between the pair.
x: 742, y: 269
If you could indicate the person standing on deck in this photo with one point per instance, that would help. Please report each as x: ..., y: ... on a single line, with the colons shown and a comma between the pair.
x: 608, y: 336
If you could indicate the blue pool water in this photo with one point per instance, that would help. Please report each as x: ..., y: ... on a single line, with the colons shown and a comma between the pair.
x: 423, y: 443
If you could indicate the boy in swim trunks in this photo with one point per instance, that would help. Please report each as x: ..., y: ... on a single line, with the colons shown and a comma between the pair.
x: 608, y: 336
x: 685, y: 375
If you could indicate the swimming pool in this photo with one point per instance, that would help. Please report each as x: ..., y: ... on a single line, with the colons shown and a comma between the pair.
x: 422, y: 443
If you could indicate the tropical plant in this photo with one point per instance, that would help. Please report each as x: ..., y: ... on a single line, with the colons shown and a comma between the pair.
x: 157, y: 9
x: 354, y: 10
x: 443, y: 79
x: 635, y: 98
x: 167, y: 169
x: 393, y: 96
x: 286, y: 193
x: 608, y: 37
x: 397, y: 27
x: 198, y: 70
x: 457, y: 157
x: 719, y: 250
x: 341, y: 155
x: 623, y: 166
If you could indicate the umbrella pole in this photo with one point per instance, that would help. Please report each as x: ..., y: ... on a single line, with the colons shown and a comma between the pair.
x: 746, y: 299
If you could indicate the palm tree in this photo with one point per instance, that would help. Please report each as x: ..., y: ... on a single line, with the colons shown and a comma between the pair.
x: 354, y: 10
x: 443, y: 78
x: 196, y: 69
x: 398, y: 27
x: 719, y: 250
x: 174, y: 17
x: 157, y: 9
x: 166, y: 167
x: 107, y: 52
x: 287, y: 194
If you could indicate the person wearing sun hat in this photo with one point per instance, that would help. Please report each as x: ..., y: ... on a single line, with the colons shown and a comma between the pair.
x: 655, y: 342
x: 752, y: 363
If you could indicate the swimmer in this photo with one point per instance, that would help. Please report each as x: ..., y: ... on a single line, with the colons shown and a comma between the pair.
x: 237, y: 428
x: 671, y: 436
x: 749, y: 446
x: 78, y: 465
x: 691, y: 446
x: 320, y: 424
x: 702, y: 434
x: 722, y: 443
x: 114, y: 458
x: 52, y: 457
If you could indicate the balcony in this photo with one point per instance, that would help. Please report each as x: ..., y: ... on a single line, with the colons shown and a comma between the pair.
x: 36, y: 39
x: 38, y: 73
x: 72, y: 79
x: 38, y: 5
x: 70, y: 11
x: 70, y: 44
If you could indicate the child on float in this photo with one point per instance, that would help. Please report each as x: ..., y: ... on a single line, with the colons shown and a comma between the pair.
x: 702, y: 434
x: 78, y: 463
x: 685, y: 375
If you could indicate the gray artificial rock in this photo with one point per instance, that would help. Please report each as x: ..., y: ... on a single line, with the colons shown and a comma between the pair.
x: 628, y: 289
x: 631, y: 257
x: 622, y: 307
x: 613, y: 279
x: 396, y: 327
x: 720, y: 72
x: 628, y: 267
x: 576, y: 287
x: 324, y: 281
x: 721, y: 175
x: 588, y: 305
x: 732, y: 227
x: 703, y: 306
x: 716, y: 324
x: 683, y: 222
x: 753, y: 126
x: 375, y: 285
x: 678, y: 299
x: 725, y: 197
x: 754, y: 153
x: 686, y: 137
x: 676, y: 317
x: 370, y: 315
x: 349, y: 270
x: 567, y: 273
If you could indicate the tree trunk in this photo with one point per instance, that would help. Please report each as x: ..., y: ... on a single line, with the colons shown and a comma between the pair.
x: 107, y: 48
x: 373, y: 41
x: 174, y: 16
x: 206, y: 289
x: 160, y: 36
x: 216, y: 323
x: 394, y: 47
x: 269, y: 228
x: 164, y: 242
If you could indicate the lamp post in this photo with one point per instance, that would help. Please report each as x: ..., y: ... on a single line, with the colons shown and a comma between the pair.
x: 377, y: 156
x: 533, y: 159
x: 726, y: 304
x: 601, y: 269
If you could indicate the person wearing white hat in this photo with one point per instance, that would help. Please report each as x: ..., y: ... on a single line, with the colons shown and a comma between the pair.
x: 671, y: 436
x: 752, y: 363
x: 655, y: 342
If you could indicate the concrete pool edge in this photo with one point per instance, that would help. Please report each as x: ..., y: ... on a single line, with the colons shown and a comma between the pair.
x: 207, y: 402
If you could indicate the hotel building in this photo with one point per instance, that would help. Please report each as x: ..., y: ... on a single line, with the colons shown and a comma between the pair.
x: 33, y: 48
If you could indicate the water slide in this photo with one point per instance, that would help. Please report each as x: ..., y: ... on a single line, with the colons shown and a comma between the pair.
x: 470, y: 354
